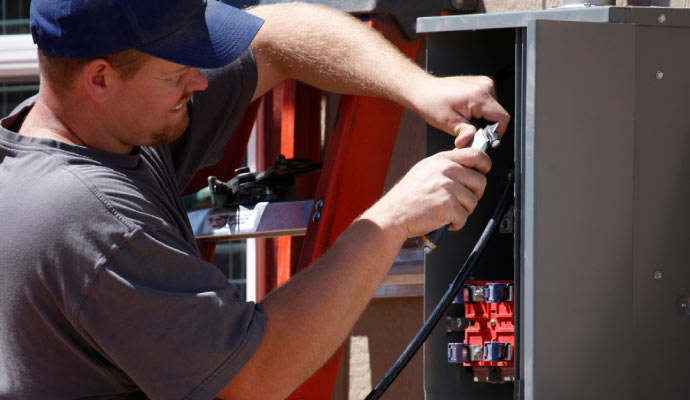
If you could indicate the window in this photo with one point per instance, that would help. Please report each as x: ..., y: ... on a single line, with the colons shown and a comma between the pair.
x: 11, y: 94
x: 14, y: 17
x: 231, y: 259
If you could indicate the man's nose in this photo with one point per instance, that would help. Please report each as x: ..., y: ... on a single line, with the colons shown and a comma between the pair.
x: 197, y: 80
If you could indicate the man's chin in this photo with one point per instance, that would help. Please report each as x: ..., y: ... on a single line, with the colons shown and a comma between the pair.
x: 170, y: 134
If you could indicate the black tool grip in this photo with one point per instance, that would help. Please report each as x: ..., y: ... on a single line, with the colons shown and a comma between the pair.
x: 432, y: 239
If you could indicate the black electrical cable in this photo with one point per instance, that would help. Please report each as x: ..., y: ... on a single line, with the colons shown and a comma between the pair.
x: 447, y: 298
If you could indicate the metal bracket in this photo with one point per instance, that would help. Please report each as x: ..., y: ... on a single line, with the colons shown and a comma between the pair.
x: 497, y: 351
x: 470, y: 294
x: 289, y: 218
x: 498, y: 292
x: 464, y: 353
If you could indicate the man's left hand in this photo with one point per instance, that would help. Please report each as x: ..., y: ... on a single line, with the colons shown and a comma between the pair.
x: 450, y: 104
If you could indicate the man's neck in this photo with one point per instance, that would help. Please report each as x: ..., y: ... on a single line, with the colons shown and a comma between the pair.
x: 43, y: 122
x: 57, y: 120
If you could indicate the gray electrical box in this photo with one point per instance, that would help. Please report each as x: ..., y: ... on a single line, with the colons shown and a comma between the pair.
x: 600, y: 146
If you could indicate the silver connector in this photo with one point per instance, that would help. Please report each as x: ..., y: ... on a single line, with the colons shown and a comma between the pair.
x: 484, y: 137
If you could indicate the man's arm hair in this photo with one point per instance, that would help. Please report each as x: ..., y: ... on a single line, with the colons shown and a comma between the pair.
x: 330, y: 50
x: 333, y: 51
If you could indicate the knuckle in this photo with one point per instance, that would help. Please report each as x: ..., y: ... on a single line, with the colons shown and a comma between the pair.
x: 486, y: 82
x: 447, y: 186
x: 449, y: 168
x: 460, y: 220
x: 474, y: 155
x: 481, y: 184
x: 471, y: 208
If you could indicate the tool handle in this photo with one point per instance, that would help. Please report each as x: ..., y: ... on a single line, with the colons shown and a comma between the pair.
x: 431, y: 239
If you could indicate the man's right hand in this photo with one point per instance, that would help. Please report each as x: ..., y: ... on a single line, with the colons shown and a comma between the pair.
x: 439, y: 190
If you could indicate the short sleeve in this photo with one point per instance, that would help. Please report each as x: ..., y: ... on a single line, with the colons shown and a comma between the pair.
x: 214, y: 114
x: 170, y: 321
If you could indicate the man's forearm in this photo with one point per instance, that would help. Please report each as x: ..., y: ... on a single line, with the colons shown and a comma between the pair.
x: 333, y: 51
x: 308, y: 317
x: 336, y: 52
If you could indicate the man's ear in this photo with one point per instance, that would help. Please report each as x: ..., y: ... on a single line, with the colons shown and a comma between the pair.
x: 98, y: 78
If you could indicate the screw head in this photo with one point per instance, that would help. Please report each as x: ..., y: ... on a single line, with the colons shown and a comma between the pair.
x: 492, y: 323
x: 659, y: 75
x: 661, y: 18
x: 463, y: 5
x: 657, y: 275
x: 316, y: 217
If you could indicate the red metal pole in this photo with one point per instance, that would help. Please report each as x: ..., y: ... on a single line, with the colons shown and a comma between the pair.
x: 356, y: 164
x: 289, y: 125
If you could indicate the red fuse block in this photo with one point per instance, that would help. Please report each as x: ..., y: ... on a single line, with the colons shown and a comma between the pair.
x: 490, y: 339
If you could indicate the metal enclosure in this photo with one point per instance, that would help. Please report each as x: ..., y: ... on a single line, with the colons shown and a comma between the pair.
x: 600, y: 144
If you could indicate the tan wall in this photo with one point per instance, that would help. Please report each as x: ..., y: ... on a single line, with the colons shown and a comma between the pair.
x: 375, y: 343
x: 388, y: 324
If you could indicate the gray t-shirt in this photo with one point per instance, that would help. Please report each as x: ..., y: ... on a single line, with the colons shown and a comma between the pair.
x: 102, y: 290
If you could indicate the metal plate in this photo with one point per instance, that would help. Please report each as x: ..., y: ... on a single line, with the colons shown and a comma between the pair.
x: 261, y: 220
x: 661, y: 216
x: 578, y: 204
x: 634, y: 15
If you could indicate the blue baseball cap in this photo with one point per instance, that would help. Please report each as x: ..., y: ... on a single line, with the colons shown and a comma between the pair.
x: 196, y: 33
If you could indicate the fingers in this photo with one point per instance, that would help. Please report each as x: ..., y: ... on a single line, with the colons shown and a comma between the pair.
x: 441, y: 189
x: 462, y: 193
x: 465, y: 185
x: 469, y: 158
x: 485, y: 105
x: 459, y: 216
x: 470, y: 179
x: 465, y: 197
x: 464, y: 132
x: 482, y: 104
x: 492, y: 111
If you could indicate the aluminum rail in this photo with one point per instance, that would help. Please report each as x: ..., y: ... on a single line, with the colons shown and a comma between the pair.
x: 266, y: 219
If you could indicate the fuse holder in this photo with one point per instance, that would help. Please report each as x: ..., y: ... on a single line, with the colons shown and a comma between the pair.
x: 491, y: 325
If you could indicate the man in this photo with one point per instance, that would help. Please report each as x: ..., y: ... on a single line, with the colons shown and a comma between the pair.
x: 102, y: 291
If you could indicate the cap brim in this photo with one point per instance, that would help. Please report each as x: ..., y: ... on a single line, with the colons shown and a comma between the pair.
x: 210, y: 40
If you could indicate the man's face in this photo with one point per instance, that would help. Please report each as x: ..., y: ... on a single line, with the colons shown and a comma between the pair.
x: 152, y: 105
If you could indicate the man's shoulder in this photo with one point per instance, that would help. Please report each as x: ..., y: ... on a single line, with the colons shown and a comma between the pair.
x: 64, y: 188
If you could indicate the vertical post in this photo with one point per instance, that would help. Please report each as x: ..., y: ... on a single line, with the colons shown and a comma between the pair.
x: 289, y: 124
x: 355, y: 168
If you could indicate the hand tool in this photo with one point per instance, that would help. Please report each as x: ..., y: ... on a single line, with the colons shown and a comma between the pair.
x: 483, y: 139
